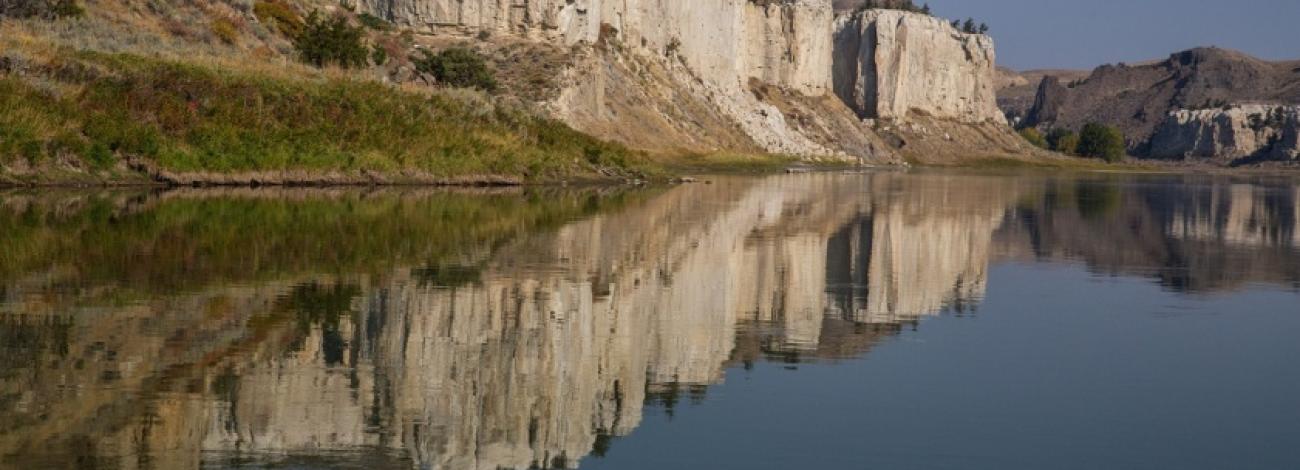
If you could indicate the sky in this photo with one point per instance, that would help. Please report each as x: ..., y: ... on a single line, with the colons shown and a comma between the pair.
x: 1082, y: 34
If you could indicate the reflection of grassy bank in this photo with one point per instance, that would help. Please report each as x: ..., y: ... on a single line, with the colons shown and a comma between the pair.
x: 171, y: 242
x: 89, y: 113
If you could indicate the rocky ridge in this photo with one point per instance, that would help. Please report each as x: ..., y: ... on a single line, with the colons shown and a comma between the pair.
x: 1017, y: 90
x: 1176, y: 107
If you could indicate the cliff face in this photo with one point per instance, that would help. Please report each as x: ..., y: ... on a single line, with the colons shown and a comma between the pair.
x: 685, y: 72
x: 724, y: 41
x: 1248, y: 131
x: 781, y: 76
x: 891, y: 64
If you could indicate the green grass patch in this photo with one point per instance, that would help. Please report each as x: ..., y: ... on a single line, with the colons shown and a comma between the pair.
x: 192, y: 118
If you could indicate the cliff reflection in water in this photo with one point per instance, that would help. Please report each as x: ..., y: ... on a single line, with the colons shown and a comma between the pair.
x: 448, y: 330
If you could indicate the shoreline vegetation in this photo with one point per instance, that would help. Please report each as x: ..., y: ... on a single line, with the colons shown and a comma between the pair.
x: 83, y: 117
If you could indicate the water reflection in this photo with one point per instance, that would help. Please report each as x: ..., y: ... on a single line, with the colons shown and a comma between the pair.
x: 525, y: 329
x: 1192, y: 234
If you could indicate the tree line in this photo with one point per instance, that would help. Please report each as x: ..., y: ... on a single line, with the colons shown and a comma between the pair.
x: 905, y: 5
x: 969, y: 26
x: 1096, y: 140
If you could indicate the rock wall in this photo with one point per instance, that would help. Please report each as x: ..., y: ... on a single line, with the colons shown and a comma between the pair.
x: 725, y: 42
x: 695, y: 76
x: 1262, y: 132
x: 663, y: 70
x: 892, y: 64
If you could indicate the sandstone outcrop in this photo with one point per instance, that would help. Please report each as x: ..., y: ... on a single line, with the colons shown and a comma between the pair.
x: 891, y: 64
x: 1257, y: 132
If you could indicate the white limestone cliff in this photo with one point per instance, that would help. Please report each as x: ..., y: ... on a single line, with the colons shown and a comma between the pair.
x: 1266, y: 132
x: 892, y: 64
x: 688, y: 75
x: 725, y: 42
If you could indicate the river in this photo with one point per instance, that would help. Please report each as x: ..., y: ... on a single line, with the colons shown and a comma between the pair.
x: 922, y: 319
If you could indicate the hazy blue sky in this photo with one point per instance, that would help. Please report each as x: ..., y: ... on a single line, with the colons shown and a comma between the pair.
x: 1085, y: 33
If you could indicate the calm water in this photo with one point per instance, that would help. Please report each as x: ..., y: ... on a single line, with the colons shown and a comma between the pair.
x: 847, y: 321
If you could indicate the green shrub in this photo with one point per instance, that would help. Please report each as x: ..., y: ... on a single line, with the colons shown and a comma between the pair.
x: 331, y: 41
x: 99, y: 155
x: 67, y: 9
x: 1063, y: 140
x: 46, y: 9
x: 378, y: 55
x: 1102, y: 141
x: 32, y: 150
x: 279, y: 14
x: 457, y: 67
x: 1068, y: 144
x: 1034, y: 137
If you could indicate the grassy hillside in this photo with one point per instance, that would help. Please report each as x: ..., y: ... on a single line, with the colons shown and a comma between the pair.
x: 112, y: 97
